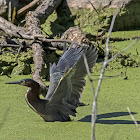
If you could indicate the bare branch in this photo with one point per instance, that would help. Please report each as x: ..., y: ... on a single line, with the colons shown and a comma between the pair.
x: 132, y: 44
x: 88, y: 72
x: 136, y: 123
x: 27, y: 7
x: 21, y: 46
x: 37, y: 49
x: 14, y: 15
x: 23, y: 33
x: 56, y: 40
x: 93, y: 7
x: 106, y: 77
x: 9, y: 11
x: 8, y: 45
x: 46, y: 8
x: 19, y: 32
x: 106, y: 61
x: 94, y: 109
x: 9, y: 28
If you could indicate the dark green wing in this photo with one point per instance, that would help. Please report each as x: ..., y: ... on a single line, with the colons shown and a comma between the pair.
x: 67, y: 60
x: 71, y: 85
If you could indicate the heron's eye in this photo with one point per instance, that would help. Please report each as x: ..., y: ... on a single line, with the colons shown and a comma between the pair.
x: 24, y: 82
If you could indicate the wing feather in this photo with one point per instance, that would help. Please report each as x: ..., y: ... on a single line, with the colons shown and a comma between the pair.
x: 71, y: 85
x: 67, y: 60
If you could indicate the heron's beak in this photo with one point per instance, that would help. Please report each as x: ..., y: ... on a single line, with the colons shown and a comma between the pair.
x: 14, y: 82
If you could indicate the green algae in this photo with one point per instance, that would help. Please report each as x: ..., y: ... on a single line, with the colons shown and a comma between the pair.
x: 113, y: 121
x: 16, y: 64
x: 92, y: 24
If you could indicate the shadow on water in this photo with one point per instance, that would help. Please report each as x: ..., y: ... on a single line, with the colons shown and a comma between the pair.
x: 110, y: 115
x: 64, y: 20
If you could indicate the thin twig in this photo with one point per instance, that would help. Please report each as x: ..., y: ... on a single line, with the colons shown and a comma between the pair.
x: 136, y: 123
x: 98, y: 14
x: 137, y: 51
x: 9, y: 11
x: 59, y: 40
x: 94, y: 108
x: 132, y: 44
x: 108, y: 77
x: 93, y: 7
x: 9, y: 45
x: 14, y: 15
x: 50, y: 48
x: 27, y: 7
x: 20, y: 33
x: 19, y: 50
x: 88, y: 72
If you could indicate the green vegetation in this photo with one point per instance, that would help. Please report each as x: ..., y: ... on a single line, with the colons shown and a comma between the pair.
x: 16, y: 64
x: 129, y: 58
x: 18, y: 121
x: 91, y: 24
x: 128, y: 17
x: 125, y: 34
x: 120, y: 45
x: 62, y: 19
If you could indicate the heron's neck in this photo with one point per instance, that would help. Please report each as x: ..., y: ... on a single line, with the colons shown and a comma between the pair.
x: 33, y: 100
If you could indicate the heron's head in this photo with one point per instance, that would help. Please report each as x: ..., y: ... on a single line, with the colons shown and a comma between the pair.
x: 25, y: 82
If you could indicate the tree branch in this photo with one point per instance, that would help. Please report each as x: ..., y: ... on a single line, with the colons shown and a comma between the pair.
x: 27, y: 7
x: 94, y: 108
x: 137, y: 125
x: 132, y: 44
x: 34, y: 26
x: 46, y: 8
x: 25, y: 33
x: 9, y: 45
x: 93, y: 7
x: 88, y: 72
x: 9, y: 28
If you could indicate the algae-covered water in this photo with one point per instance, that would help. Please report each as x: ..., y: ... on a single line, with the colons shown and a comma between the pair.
x: 119, y: 89
x: 19, y: 122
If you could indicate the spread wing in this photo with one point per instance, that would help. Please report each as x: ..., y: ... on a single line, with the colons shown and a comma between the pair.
x: 71, y: 85
x: 67, y: 60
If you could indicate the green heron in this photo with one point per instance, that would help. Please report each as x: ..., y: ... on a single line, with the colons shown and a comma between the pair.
x: 66, y: 85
